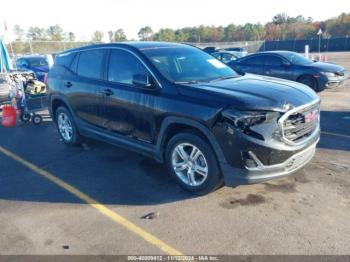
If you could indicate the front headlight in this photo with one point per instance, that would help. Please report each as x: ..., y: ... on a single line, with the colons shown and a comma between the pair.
x: 247, y: 119
x: 329, y: 74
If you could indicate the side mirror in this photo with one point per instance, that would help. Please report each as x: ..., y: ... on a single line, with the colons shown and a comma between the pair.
x: 142, y: 81
x: 286, y: 64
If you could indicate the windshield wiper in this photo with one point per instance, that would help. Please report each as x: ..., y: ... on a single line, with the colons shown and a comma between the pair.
x: 188, y: 82
x: 222, y: 78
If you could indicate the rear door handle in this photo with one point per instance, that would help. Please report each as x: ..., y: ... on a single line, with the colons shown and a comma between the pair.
x: 68, y: 84
x: 107, y: 92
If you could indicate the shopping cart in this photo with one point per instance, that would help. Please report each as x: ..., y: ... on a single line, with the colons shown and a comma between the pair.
x: 29, y: 105
x: 28, y: 101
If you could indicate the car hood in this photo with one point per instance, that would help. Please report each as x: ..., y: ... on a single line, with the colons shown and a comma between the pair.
x: 326, y: 67
x: 252, y: 92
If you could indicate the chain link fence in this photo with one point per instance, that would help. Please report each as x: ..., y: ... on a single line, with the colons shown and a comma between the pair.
x: 324, y: 45
x: 251, y: 46
x: 18, y: 48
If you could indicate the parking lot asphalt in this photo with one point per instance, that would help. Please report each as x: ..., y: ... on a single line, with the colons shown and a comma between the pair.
x: 307, y: 213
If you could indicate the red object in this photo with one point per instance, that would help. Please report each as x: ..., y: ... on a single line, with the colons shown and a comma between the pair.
x: 45, y: 78
x: 8, y: 116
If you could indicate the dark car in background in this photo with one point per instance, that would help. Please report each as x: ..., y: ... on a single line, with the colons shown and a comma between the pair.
x: 181, y: 106
x: 210, y: 49
x: 39, y: 64
x: 241, y: 51
x: 226, y: 56
x: 292, y: 66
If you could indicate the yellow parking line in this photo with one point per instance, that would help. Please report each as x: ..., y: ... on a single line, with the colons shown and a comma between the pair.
x: 335, y: 134
x: 95, y: 204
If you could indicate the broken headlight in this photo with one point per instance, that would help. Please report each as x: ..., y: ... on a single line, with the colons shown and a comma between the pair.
x: 246, y: 119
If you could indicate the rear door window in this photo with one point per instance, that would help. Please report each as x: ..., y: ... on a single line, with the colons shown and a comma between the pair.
x: 90, y: 63
x: 272, y: 60
x: 255, y: 60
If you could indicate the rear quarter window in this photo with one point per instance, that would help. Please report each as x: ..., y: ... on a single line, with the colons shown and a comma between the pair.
x: 64, y: 59
x: 90, y: 63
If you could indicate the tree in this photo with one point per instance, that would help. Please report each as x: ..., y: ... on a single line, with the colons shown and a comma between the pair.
x: 55, y: 33
x: 36, y: 33
x: 119, y: 35
x: 272, y: 31
x: 181, y: 35
x: 97, y: 36
x: 166, y: 34
x: 111, y: 36
x: 145, y: 33
x: 19, y: 32
x: 71, y: 37
x: 280, y: 19
x: 338, y: 26
x: 230, y: 32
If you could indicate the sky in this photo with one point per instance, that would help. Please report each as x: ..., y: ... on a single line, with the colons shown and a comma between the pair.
x: 84, y: 17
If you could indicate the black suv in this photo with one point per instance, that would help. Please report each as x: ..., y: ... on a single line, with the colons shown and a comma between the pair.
x: 181, y: 106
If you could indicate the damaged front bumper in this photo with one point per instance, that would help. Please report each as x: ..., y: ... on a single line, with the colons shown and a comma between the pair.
x: 260, y: 173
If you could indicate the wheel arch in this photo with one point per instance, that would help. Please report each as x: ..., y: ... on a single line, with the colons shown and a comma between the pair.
x: 306, y: 75
x: 300, y: 76
x: 56, y: 102
x: 175, y: 125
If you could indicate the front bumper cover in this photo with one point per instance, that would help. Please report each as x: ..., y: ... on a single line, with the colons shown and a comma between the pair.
x: 334, y: 81
x: 261, y: 173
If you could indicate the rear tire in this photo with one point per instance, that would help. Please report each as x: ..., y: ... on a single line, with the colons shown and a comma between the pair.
x: 311, y: 82
x: 66, y: 127
x: 192, y: 162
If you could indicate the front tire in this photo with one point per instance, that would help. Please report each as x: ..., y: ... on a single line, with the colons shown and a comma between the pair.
x: 192, y: 162
x: 66, y: 127
x: 310, y: 82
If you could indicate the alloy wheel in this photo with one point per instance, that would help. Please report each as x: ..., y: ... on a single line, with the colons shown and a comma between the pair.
x: 189, y: 164
x: 65, y: 126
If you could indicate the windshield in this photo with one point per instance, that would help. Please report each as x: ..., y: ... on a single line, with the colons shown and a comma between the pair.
x: 37, y: 61
x: 297, y: 59
x: 188, y: 64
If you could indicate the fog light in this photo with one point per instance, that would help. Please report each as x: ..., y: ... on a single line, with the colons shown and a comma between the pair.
x: 251, y: 160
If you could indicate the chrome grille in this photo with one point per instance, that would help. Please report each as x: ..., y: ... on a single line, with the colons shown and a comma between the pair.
x: 299, y: 124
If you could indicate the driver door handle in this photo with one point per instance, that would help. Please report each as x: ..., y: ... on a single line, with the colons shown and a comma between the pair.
x: 107, y: 92
x: 68, y: 84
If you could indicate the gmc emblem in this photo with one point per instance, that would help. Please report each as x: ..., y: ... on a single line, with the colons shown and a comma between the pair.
x: 311, y: 116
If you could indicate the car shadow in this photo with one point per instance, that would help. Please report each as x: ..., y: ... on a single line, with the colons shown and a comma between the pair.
x: 108, y: 174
